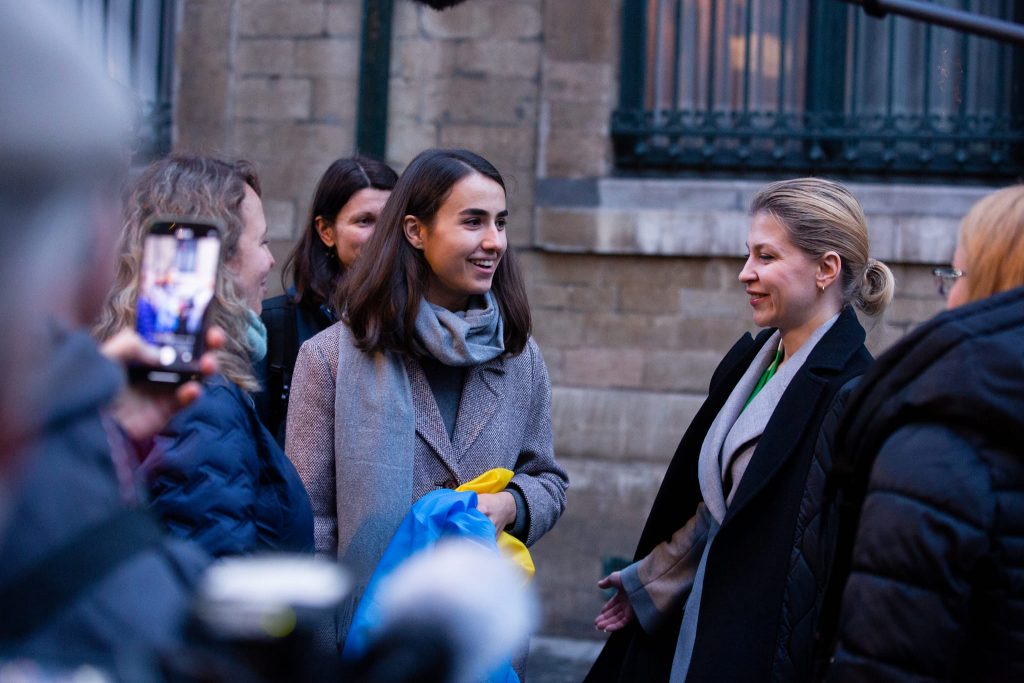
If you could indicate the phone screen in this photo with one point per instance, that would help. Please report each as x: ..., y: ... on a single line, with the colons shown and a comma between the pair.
x: 176, y: 284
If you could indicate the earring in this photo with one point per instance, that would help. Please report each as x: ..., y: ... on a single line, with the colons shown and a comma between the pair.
x: 821, y: 289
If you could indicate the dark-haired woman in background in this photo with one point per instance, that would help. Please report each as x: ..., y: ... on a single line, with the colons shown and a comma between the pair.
x: 431, y: 378
x: 347, y: 202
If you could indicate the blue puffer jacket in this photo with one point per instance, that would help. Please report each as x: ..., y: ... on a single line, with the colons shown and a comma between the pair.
x: 930, y: 458
x: 216, y: 476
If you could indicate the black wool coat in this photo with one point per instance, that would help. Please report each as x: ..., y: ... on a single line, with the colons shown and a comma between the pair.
x: 765, y: 571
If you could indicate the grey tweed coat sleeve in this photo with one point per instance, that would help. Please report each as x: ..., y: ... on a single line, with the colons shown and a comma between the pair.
x: 309, y: 438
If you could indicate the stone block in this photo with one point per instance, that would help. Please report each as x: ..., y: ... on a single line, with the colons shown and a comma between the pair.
x: 558, y: 329
x: 579, y: 82
x: 654, y: 296
x: 926, y: 239
x: 335, y: 101
x: 935, y: 200
x: 620, y: 425
x: 494, y: 58
x: 406, y: 20
x: 599, y: 367
x: 409, y: 137
x: 204, y: 81
x: 270, y: 56
x: 520, y: 20
x: 685, y: 195
x: 882, y: 236
x: 562, y: 155
x: 680, y: 371
x: 915, y: 281
x: 574, y: 31
x: 415, y: 59
x: 881, y: 334
x: 345, y: 18
x: 621, y: 331
x: 578, y: 117
x: 259, y: 141
x: 470, y: 20
x: 688, y: 333
x: 330, y: 57
x: 617, y: 231
x: 547, y: 294
x: 494, y: 101
x: 505, y: 146
x: 729, y: 304
x: 274, y: 18
x: 273, y: 98
x: 913, y: 311
x: 280, y: 215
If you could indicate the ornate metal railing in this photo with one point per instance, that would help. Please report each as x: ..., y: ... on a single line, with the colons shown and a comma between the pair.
x: 756, y: 87
x: 135, y: 39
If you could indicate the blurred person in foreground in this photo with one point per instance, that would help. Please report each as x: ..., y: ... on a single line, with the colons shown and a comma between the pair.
x: 82, y: 579
x: 930, y: 468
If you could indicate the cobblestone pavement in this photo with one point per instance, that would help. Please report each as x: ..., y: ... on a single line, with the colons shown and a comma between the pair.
x: 560, y: 660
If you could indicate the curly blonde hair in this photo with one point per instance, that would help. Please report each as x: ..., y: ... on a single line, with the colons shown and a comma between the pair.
x: 188, y: 185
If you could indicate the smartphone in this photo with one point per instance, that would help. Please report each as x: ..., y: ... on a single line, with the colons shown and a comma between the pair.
x: 177, y: 281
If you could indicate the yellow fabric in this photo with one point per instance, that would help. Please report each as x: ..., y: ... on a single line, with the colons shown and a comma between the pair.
x: 495, y: 481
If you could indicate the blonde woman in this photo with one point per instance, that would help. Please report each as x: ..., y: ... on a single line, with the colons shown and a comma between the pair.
x: 932, y: 466
x: 729, y: 568
x: 216, y: 475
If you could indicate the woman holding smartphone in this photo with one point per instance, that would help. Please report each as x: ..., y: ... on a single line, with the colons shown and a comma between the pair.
x: 215, y: 474
x: 346, y: 205
x: 730, y: 566
x: 431, y: 378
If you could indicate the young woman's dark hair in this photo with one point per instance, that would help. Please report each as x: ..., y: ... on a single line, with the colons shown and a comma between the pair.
x: 313, y: 267
x: 382, y: 297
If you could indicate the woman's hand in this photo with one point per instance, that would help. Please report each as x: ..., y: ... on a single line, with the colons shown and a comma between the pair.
x: 142, y: 410
x: 499, y: 507
x: 617, y: 612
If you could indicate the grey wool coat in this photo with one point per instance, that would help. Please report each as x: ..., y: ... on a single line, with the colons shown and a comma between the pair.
x: 504, y: 420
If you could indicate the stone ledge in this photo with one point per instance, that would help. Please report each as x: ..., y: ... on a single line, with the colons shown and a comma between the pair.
x: 699, y: 218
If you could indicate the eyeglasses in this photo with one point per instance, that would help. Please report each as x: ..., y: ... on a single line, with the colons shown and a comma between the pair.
x: 946, y: 277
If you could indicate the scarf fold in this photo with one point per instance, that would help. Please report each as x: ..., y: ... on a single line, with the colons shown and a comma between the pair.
x: 375, y: 430
x: 255, y: 336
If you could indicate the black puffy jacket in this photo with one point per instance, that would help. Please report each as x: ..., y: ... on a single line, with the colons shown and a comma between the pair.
x: 931, y: 460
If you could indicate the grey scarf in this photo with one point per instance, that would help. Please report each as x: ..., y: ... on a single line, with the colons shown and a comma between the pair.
x: 375, y: 430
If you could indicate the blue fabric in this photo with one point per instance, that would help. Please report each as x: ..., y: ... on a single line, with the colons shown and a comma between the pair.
x: 439, y: 514
x: 215, y: 475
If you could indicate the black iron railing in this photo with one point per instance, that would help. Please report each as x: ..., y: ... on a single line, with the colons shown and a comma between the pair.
x: 767, y: 86
x: 135, y: 39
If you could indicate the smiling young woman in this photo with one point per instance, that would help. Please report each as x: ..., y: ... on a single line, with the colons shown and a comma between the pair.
x: 730, y: 565
x: 431, y: 378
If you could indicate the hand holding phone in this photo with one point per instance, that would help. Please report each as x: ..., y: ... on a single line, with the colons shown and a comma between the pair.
x: 142, y: 409
x: 177, y: 282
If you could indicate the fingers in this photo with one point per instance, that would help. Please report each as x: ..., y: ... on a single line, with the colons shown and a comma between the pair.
x: 188, y: 392
x: 215, y: 338
x: 615, y: 614
x: 127, y: 346
x: 613, y: 580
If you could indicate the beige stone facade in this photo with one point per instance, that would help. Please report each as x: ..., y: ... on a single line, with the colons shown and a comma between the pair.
x: 632, y: 281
